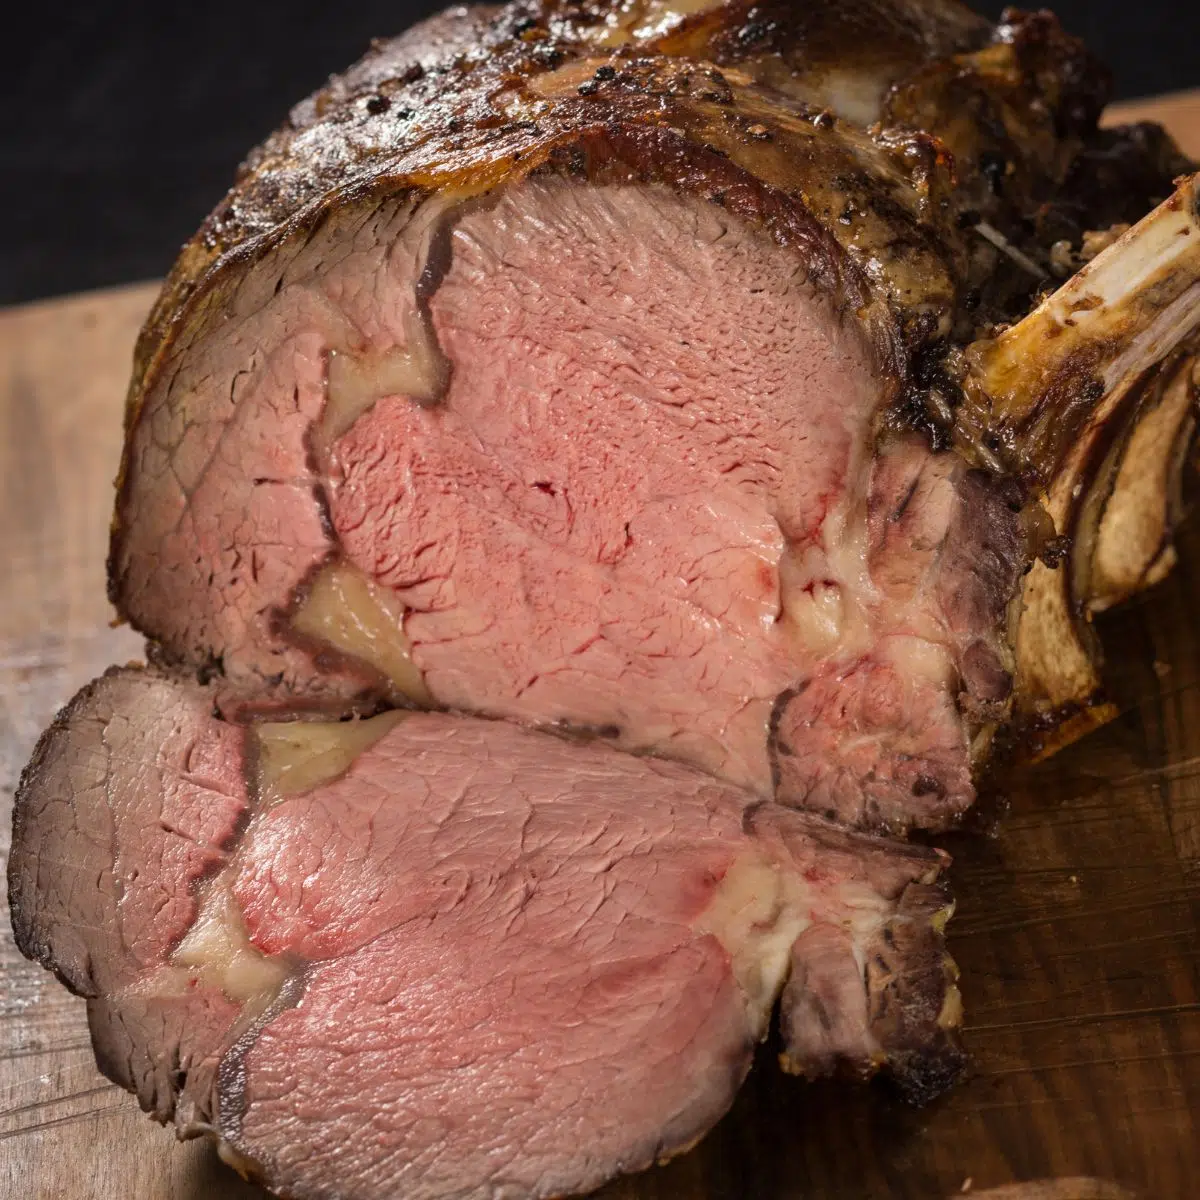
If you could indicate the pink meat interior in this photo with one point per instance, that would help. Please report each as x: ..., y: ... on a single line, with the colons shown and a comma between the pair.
x: 650, y: 416
x: 650, y: 502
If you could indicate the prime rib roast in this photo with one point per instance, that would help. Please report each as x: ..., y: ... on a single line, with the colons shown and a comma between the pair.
x: 602, y: 478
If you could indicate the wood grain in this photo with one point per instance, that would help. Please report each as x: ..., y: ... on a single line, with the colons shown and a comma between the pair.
x: 1077, y: 928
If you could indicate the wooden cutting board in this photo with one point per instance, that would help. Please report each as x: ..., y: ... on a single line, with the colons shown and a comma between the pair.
x: 1078, y: 929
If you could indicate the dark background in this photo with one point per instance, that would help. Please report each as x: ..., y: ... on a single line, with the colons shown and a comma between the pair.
x: 124, y: 121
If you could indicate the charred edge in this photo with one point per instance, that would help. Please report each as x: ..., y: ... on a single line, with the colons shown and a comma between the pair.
x: 205, y: 668
x: 232, y: 1101
x: 929, y: 396
x: 918, y: 327
x: 773, y: 750
x: 1033, y: 736
x: 911, y: 1009
x: 116, y: 529
x: 909, y: 979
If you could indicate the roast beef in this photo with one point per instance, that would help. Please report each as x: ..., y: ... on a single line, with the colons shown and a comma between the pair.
x: 600, y: 468
x: 434, y: 955
x: 540, y: 367
x: 590, y: 369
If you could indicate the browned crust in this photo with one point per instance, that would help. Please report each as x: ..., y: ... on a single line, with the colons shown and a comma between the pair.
x: 778, y: 40
x: 912, y: 985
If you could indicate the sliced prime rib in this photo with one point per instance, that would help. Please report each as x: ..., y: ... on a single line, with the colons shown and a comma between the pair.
x: 559, y: 369
x: 443, y: 956
x: 586, y: 437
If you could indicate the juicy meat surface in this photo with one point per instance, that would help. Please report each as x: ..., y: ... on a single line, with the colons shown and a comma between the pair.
x: 480, y: 961
x: 642, y: 503
x: 593, y: 525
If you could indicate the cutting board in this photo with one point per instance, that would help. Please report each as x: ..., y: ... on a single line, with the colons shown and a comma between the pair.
x: 1078, y: 927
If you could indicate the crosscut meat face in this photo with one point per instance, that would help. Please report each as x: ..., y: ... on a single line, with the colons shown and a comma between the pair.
x: 543, y: 367
x: 595, y: 456
x: 451, y: 954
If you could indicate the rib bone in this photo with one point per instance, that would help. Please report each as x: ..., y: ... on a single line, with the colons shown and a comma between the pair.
x: 1058, y: 399
x: 1038, y: 387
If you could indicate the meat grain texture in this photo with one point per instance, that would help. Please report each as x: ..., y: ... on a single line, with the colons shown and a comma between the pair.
x: 567, y: 576
x: 480, y: 961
